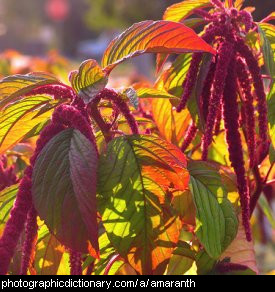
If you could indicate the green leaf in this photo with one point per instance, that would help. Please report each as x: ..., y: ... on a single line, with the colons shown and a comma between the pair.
x: 152, y: 37
x: 216, y: 221
x: 89, y: 80
x: 146, y: 92
x: 267, y: 41
x: 181, y: 260
x: 205, y: 263
x: 134, y: 176
x: 64, y: 190
x: 7, y: 197
x: 271, y: 154
x: 171, y: 79
x: 20, y: 117
x: 14, y: 87
x: 49, y: 255
x: 179, y: 11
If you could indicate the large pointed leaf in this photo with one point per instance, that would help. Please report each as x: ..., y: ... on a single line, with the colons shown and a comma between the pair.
x: 180, y: 11
x: 240, y: 251
x: 153, y: 37
x: 216, y: 220
x: 88, y: 80
x: 171, y: 124
x: 64, y: 190
x: 134, y: 176
x: 20, y: 117
x: 147, y: 92
x: 13, y: 87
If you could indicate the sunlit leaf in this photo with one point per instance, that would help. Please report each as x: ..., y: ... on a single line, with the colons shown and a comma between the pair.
x: 126, y: 269
x: 152, y: 37
x: 180, y: 11
x: 7, y: 197
x: 20, y: 117
x: 171, y: 79
x: 64, y: 189
x: 181, y: 260
x: 267, y: 41
x: 216, y: 220
x: 238, y: 4
x: 88, y: 80
x: 14, y: 87
x: 185, y: 207
x: 134, y: 176
x: 171, y: 124
x: 146, y: 92
x: 49, y: 254
x: 240, y: 251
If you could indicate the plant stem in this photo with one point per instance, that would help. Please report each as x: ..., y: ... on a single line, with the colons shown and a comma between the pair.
x: 104, y: 127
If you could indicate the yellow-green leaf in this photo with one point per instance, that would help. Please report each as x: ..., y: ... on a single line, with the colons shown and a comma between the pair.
x: 134, y: 175
x: 179, y: 11
x: 14, y: 87
x: 88, y: 80
x: 20, y: 117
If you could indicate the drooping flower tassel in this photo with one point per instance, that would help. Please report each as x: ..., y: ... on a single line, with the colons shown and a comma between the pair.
x: 57, y: 91
x: 233, y: 138
x: 189, y: 136
x: 217, y: 126
x: 246, y: 90
x: 75, y: 262
x: 22, y: 204
x: 255, y: 72
x: 206, y: 91
x: 224, y: 56
x: 190, y: 80
x: 30, y: 241
x: 122, y: 106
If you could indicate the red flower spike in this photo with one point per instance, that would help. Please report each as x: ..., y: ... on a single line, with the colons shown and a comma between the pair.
x: 224, y: 56
x: 30, y: 241
x: 190, y: 80
x: 75, y: 263
x: 255, y: 72
x: 189, y: 136
x: 218, y: 120
x: 244, y: 81
x: 233, y: 138
x: 206, y: 91
x: 57, y: 91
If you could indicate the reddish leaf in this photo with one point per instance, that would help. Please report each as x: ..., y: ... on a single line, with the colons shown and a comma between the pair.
x: 153, y: 37
x: 64, y: 190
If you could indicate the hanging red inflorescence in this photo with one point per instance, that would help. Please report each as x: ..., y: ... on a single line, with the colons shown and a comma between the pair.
x: 219, y: 99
